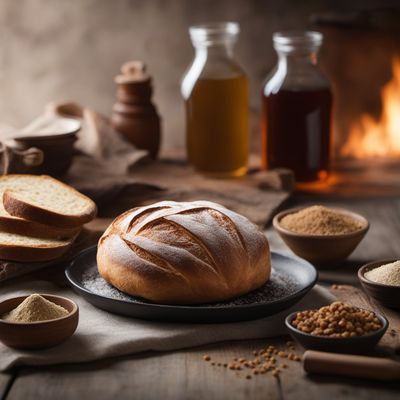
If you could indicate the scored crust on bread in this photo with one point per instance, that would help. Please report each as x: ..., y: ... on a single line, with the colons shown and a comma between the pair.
x: 46, y: 201
x: 21, y: 248
x: 184, y: 253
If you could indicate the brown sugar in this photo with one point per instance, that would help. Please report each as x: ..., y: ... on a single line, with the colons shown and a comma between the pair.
x: 35, y: 308
x: 319, y: 220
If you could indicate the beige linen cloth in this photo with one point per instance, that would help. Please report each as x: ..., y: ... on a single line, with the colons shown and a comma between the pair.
x: 103, y: 335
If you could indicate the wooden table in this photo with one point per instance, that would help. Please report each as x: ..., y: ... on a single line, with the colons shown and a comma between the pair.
x: 184, y: 374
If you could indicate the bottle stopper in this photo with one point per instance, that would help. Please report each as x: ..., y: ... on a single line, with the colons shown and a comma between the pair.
x: 132, y: 71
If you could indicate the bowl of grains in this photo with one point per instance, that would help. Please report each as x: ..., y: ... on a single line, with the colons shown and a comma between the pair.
x: 338, y: 327
x: 37, y: 321
x: 381, y: 280
x: 321, y: 235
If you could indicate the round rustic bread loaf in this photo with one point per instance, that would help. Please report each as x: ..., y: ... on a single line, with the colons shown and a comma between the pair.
x: 184, y: 253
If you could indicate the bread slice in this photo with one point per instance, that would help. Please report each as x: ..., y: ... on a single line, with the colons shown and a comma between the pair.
x: 21, y: 226
x: 21, y: 248
x: 46, y: 201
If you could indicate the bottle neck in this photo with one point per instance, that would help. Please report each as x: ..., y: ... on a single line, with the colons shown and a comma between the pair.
x: 294, y: 61
x: 295, y: 71
x: 217, y: 51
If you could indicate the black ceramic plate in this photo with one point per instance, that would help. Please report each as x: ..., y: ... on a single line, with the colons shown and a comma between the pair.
x: 291, y: 279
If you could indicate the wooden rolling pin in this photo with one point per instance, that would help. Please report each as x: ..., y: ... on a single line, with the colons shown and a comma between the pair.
x: 318, y: 362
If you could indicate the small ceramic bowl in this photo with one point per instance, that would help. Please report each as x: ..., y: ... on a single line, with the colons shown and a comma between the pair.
x: 387, y: 295
x: 50, y: 128
x: 323, y: 251
x: 38, y: 335
x: 55, y: 137
x: 357, y: 344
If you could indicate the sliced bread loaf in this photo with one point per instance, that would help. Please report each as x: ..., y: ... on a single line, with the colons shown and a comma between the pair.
x: 21, y: 226
x: 45, y: 200
x: 27, y: 249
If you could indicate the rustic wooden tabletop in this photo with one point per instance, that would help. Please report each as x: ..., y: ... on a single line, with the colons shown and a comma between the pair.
x: 184, y: 374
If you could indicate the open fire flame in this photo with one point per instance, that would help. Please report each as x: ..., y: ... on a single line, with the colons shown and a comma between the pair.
x: 378, y: 138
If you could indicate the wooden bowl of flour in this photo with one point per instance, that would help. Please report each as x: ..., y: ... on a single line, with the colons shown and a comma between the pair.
x: 38, y: 335
x: 323, y: 251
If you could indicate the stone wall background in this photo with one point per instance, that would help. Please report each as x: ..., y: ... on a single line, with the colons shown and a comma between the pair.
x: 58, y: 49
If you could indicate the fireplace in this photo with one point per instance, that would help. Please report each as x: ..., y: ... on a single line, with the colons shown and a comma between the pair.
x: 361, y: 57
x: 377, y: 137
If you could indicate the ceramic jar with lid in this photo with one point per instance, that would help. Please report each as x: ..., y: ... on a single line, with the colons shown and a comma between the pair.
x: 134, y: 115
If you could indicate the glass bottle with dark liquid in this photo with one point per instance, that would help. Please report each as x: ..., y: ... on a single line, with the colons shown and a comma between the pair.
x: 296, y: 109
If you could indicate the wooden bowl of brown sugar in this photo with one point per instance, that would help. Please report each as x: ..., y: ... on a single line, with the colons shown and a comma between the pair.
x: 323, y: 236
x: 39, y: 334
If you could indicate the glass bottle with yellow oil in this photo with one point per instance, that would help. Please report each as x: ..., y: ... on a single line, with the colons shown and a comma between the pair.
x: 215, y: 90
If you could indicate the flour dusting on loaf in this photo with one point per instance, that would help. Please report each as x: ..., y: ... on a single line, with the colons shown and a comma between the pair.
x: 184, y: 253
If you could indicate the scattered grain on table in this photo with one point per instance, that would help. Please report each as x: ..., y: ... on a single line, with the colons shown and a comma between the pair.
x: 262, y: 362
